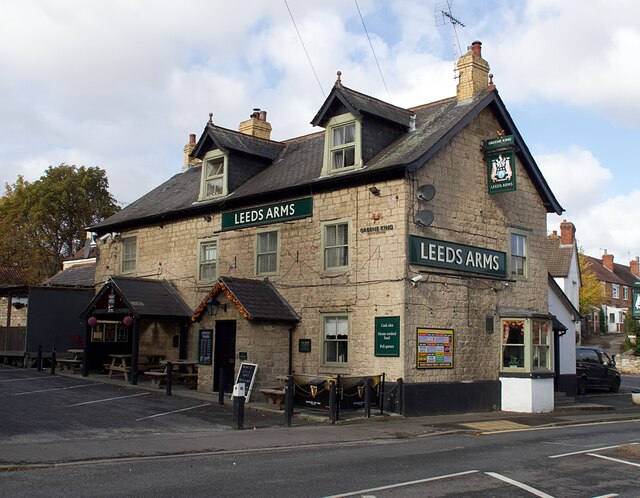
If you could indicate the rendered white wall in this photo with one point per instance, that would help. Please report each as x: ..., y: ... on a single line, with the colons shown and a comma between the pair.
x: 527, y: 395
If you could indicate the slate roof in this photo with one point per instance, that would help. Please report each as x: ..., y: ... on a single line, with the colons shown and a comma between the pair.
x: 12, y: 280
x: 257, y: 300
x: 225, y: 139
x: 297, y: 170
x: 558, y: 257
x: 81, y: 275
x: 605, y: 275
x: 144, y: 298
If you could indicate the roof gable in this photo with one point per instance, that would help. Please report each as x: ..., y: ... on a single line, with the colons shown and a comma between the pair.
x: 216, y: 137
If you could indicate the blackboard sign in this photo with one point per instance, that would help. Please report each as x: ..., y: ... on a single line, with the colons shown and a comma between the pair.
x: 304, y: 345
x: 204, y: 347
x: 246, y: 375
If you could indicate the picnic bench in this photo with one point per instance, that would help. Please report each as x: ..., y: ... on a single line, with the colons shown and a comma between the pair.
x: 189, y: 376
x: 67, y: 364
x: 275, y: 396
x: 119, y: 365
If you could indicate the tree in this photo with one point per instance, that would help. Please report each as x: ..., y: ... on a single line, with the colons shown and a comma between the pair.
x: 43, y: 222
x: 591, y: 295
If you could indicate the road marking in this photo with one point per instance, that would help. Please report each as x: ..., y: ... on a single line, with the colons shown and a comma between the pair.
x: 57, y: 389
x: 403, y: 484
x: 561, y: 426
x: 614, y: 459
x: 29, y: 378
x: 589, y: 450
x: 611, y: 495
x: 496, y: 425
x: 520, y: 485
x: 108, y: 399
x: 174, y: 411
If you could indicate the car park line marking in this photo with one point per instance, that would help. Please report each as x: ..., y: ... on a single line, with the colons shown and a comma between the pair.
x: 520, y: 485
x: 29, y: 378
x: 614, y: 459
x: 403, y: 484
x: 589, y: 450
x: 174, y: 411
x: 611, y: 495
x: 108, y: 399
x: 56, y: 389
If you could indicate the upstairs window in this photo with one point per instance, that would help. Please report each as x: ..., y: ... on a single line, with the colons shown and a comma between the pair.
x: 625, y: 293
x: 342, y: 144
x: 267, y: 252
x: 615, y: 291
x: 214, y: 175
x: 129, y: 253
x: 336, y: 245
x: 518, y: 255
x: 207, y: 260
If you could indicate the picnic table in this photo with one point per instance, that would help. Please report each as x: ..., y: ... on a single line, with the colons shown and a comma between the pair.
x: 184, y: 370
x: 120, y: 363
x: 69, y: 363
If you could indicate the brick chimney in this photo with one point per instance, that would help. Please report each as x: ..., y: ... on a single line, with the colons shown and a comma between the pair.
x: 607, y: 261
x: 188, y: 149
x: 256, y: 125
x: 633, y: 266
x: 567, y: 233
x: 473, y: 72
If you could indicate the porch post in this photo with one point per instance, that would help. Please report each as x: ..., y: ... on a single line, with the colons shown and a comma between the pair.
x: 135, y: 346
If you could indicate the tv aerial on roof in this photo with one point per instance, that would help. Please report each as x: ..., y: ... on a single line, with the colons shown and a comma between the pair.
x: 443, y: 16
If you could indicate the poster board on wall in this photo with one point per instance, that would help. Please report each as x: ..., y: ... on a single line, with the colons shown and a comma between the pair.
x: 434, y: 348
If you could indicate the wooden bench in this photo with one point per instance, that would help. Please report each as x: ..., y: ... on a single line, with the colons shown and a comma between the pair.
x: 274, y: 395
x: 67, y: 364
x: 157, y: 377
x: 190, y: 379
x: 119, y: 369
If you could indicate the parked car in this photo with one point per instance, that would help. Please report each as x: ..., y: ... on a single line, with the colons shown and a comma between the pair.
x: 594, y: 368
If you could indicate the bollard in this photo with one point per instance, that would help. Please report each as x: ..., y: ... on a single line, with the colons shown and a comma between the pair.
x: 367, y: 397
x: 332, y: 402
x: 222, y: 381
x: 53, y: 361
x: 382, y: 394
x: 169, y: 377
x: 238, y: 406
x: 39, y: 358
x: 288, y: 401
x: 399, y: 387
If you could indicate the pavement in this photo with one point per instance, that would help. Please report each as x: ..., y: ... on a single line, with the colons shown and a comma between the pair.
x: 265, y: 430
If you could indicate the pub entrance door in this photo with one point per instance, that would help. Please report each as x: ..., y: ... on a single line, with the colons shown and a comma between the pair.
x: 224, y: 353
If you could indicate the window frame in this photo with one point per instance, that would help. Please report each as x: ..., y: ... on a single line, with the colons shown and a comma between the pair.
x: 260, y: 233
x: 335, y: 122
x: 200, y: 263
x: 513, y: 232
x: 615, y: 291
x: 323, y: 244
x: 323, y: 341
x: 625, y: 292
x: 126, y: 258
x: 529, y: 359
x: 214, y: 155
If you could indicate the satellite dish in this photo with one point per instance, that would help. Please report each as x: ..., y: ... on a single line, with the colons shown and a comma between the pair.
x: 426, y: 192
x: 424, y: 218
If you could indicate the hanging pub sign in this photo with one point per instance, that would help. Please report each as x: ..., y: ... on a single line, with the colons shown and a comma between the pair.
x: 435, y: 348
x: 636, y: 299
x: 501, y: 164
x: 387, y: 330
x: 267, y: 214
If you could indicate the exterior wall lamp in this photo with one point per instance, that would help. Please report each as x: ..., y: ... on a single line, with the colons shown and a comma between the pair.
x: 374, y: 190
x: 213, y: 306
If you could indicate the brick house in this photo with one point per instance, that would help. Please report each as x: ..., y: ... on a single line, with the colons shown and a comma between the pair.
x: 617, y: 287
x: 405, y: 241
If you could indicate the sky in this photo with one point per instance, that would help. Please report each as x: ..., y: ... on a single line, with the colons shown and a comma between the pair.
x: 122, y: 84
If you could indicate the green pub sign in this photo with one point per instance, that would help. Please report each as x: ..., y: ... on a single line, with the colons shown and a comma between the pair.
x: 635, y: 305
x: 501, y: 164
x: 267, y: 214
x: 387, y: 338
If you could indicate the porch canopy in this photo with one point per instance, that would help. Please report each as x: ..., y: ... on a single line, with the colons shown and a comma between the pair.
x: 129, y: 300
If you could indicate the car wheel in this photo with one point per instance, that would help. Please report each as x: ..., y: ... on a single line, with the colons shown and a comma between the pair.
x: 582, y: 386
x: 615, y: 385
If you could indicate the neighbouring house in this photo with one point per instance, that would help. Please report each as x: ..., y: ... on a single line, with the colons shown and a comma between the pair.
x: 564, y: 302
x: 409, y: 242
x: 617, y: 287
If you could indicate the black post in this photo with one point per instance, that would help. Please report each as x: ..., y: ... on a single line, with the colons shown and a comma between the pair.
x: 222, y: 381
x: 39, y: 358
x: 332, y: 402
x: 53, y: 361
x: 382, y: 394
x: 238, y: 412
x: 169, y: 377
x: 400, y: 388
x: 85, y: 355
x: 338, y: 397
x: 367, y: 397
x: 135, y: 348
x: 288, y: 401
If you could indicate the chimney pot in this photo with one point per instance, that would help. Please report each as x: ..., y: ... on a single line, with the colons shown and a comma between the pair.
x: 192, y: 138
x: 476, y: 48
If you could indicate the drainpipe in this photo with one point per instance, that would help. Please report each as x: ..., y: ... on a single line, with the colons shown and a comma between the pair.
x: 290, y: 370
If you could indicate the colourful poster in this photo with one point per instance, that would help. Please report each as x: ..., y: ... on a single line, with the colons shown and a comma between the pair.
x: 434, y: 348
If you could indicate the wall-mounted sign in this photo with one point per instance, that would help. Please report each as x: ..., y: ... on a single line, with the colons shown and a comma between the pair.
x: 205, y: 349
x: 242, y: 355
x: 304, y: 345
x: 635, y: 296
x: 505, y: 142
x: 376, y: 229
x: 435, y: 348
x: 387, y: 336
x: 501, y: 171
x: 267, y: 214
x: 441, y: 254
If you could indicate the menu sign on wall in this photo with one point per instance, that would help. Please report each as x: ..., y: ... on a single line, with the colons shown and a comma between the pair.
x: 387, y: 330
x: 435, y: 348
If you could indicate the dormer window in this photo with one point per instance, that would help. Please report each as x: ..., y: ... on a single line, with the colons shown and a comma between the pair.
x: 342, y: 144
x: 214, y: 175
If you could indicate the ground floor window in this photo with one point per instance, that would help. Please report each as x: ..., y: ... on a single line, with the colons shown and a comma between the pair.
x: 526, y: 345
x: 109, y: 332
x: 335, y: 340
